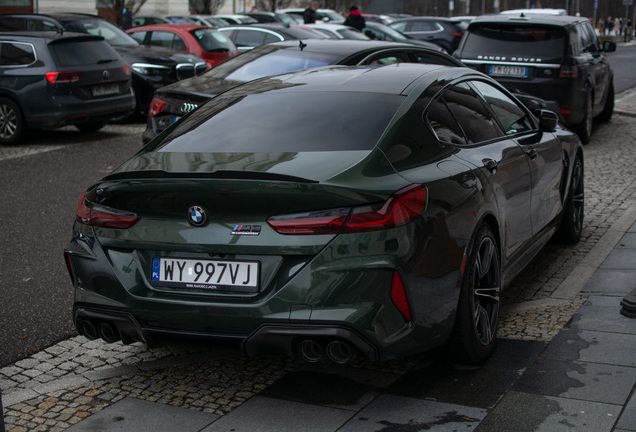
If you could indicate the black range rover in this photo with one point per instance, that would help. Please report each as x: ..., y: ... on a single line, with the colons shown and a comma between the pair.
x: 556, y: 58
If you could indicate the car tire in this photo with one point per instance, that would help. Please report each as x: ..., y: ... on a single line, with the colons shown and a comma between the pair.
x: 12, y: 124
x: 93, y: 126
x: 584, y: 129
x: 608, y: 109
x: 574, y: 207
x: 475, y: 329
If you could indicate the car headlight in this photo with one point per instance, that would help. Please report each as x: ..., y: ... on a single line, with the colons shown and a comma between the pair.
x: 150, y: 69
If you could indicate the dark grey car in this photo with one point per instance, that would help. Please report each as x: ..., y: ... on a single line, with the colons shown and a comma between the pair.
x: 556, y: 58
x: 49, y: 79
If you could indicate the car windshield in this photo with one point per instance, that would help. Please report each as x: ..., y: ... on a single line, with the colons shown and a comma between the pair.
x: 98, y: 27
x: 543, y: 41
x: 352, y: 34
x: 285, y: 19
x: 213, y: 41
x: 396, y: 35
x: 333, y: 16
x: 284, y: 121
x: 247, y: 67
x: 78, y: 53
x: 246, y: 20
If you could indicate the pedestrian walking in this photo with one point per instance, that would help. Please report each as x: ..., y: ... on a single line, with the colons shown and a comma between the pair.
x: 601, y: 26
x: 310, y: 13
x: 355, y: 19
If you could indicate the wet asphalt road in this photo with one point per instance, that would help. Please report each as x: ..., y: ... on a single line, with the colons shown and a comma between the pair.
x: 38, y: 197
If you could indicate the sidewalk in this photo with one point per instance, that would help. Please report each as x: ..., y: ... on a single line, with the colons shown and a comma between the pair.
x: 583, y: 379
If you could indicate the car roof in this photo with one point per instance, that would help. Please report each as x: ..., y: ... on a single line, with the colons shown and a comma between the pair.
x: 343, y: 47
x: 46, y: 35
x: 422, y: 18
x: 397, y: 79
x: 328, y: 26
x: 538, y: 19
x: 168, y: 27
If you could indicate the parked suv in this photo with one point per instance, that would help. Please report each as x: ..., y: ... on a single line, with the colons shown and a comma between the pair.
x: 556, y: 58
x: 49, y: 80
x: 152, y: 67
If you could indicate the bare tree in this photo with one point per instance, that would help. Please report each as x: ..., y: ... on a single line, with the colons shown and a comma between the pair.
x: 117, y: 5
x: 206, y: 7
x: 272, y: 5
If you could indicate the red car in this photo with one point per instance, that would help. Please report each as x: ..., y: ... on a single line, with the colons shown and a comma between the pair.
x: 210, y: 44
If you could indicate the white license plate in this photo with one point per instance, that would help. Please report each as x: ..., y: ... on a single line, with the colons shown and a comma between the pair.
x: 205, y: 274
x: 105, y: 89
x: 515, y: 71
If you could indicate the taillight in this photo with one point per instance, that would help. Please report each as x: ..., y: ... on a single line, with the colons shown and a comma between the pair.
x: 156, y: 106
x: 401, y: 208
x: 99, y: 216
x: 398, y: 296
x: 566, y: 111
x: 457, y: 34
x: 127, y: 69
x: 569, y: 71
x: 64, y: 77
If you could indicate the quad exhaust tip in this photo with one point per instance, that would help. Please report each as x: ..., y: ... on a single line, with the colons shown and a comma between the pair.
x: 104, y: 330
x: 337, y: 351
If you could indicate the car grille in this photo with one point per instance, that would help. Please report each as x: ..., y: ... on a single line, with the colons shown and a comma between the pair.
x: 188, y: 70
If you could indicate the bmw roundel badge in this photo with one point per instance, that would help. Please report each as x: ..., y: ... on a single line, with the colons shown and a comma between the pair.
x: 196, y: 215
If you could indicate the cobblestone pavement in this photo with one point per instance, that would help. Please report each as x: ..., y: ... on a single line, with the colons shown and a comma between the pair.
x: 65, y: 383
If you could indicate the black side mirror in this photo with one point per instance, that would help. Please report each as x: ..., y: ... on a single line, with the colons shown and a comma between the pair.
x: 609, y: 46
x: 548, y: 121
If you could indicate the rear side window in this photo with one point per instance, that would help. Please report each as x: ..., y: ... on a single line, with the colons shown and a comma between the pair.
x: 424, y: 26
x: 285, y: 122
x: 38, y: 25
x: 471, y: 114
x: 526, y: 41
x: 513, y: 119
x: 249, y: 38
x: 167, y: 40
x: 213, y: 41
x: 87, y: 52
x: 16, y: 54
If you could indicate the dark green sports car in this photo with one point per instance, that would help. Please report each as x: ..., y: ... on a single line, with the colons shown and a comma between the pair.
x: 337, y: 211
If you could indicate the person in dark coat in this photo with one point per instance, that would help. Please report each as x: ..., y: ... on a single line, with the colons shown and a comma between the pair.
x: 355, y: 19
x: 310, y: 13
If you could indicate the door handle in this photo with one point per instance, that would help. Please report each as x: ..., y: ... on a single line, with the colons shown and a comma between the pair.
x: 532, y: 153
x: 491, y: 165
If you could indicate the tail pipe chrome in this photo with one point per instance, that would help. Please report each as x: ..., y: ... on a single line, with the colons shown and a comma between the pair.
x: 341, y: 352
x: 311, y: 351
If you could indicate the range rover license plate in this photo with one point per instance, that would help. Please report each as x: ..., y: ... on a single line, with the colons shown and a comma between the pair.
x: 205, y: 274
x: 514, y: 71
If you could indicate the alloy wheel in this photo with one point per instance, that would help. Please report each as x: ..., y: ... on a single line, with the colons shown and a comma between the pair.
x: 486, y: 289
x: 8, y: 122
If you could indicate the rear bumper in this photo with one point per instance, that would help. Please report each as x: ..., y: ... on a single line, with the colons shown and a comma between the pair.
x: 266, y: 339
x: 69, y: 110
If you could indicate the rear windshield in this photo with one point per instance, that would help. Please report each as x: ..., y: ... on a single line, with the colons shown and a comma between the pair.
x: 99, y: 27
x: 254, y: 64
x: 284, y: 122
x: 520, y: 40
x: 213, y: 41
x: 87, y: 52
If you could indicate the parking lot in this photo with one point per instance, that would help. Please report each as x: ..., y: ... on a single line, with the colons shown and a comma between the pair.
x: 62, y: 384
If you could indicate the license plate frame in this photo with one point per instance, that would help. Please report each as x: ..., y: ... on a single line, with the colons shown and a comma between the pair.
x: 509, y: 71
x: 105, y: 89
x: 213, y: 274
